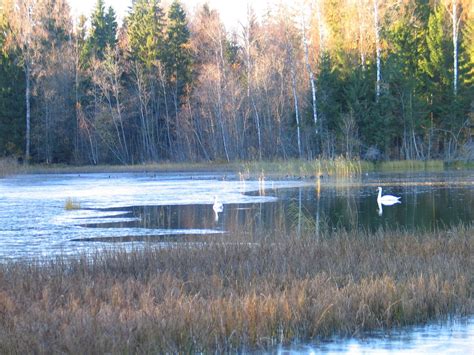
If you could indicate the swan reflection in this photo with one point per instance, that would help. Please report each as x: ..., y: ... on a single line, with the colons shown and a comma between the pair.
x: 386, y: 200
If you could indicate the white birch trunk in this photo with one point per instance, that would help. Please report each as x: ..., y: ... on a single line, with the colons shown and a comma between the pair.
x: 311, y: 79
x: 28, y: 111
x: 297, y: 114
x: 361, y: 33
x: 455, y: 46
x: 377, y: 49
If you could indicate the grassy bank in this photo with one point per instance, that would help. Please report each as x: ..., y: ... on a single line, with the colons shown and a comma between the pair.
x: 249, y: 294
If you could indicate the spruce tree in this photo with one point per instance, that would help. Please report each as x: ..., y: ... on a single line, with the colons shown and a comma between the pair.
x: 145, y: 25
x: 177, y: 55
x: 102, y: 33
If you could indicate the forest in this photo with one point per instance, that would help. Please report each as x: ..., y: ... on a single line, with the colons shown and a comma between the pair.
x: 361, y: 79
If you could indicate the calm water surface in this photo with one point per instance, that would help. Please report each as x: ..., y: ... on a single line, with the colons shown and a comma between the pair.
x: 449, y: 337
x: 128, y: 208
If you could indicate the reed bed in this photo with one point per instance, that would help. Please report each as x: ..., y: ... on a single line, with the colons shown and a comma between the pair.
x: 235, y: 292
x: 338, y: 167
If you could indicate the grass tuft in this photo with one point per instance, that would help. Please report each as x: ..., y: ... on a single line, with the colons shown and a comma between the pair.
x: 71, y: 204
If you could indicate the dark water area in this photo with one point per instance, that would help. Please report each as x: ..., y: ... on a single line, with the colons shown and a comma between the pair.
x: 422, y: 208
x: 136, y: 207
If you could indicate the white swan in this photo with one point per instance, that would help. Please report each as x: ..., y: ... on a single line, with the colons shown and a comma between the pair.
x: 217, y: 207
x: 387, y: 200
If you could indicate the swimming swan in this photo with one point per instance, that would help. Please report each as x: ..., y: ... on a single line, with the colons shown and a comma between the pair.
x: 217, y: 207
x: 387, y: 200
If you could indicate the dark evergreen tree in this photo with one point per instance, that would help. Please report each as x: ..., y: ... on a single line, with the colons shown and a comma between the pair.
x: 177, y: 58
x: 406, y: 39
x: 12, y: 98
x: 145, y: 25
x: 103, y: 32
x: 111, y: 27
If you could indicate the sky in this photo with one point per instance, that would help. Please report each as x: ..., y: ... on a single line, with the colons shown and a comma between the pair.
x: 232, y: 11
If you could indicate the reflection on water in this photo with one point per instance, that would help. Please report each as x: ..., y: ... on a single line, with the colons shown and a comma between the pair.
x: 304, y: 208
x: 130, y: 207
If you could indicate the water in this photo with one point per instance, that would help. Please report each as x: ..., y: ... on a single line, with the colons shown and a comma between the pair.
x: 449, y: 337
x: 129, y: 208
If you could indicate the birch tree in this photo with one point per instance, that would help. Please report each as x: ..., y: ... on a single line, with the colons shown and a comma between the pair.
x: 311, y: 75
x: 377, y: 49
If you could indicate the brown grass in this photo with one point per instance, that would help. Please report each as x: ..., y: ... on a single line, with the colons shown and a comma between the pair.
x: 253, y: 293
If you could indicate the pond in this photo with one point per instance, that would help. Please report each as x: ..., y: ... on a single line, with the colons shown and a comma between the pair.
x: 128, y: 208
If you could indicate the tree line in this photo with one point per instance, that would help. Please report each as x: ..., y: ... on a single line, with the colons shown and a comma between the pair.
x: 320, y: 78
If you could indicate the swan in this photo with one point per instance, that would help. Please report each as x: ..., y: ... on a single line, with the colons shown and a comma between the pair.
x: 217, y: 206
x: 387, y: 200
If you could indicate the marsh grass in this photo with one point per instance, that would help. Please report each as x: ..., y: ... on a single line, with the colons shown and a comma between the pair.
x: 236, y: 292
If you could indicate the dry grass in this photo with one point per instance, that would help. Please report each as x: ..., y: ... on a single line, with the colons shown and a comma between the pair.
x: 251, y: 294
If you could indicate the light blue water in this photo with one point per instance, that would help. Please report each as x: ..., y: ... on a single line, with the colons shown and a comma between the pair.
x: 450, y: 337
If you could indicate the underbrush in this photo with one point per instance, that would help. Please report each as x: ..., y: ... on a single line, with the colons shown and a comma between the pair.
x: 235, y: 292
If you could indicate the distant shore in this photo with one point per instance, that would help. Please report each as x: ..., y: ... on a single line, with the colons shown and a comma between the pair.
x: 293, y: 168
